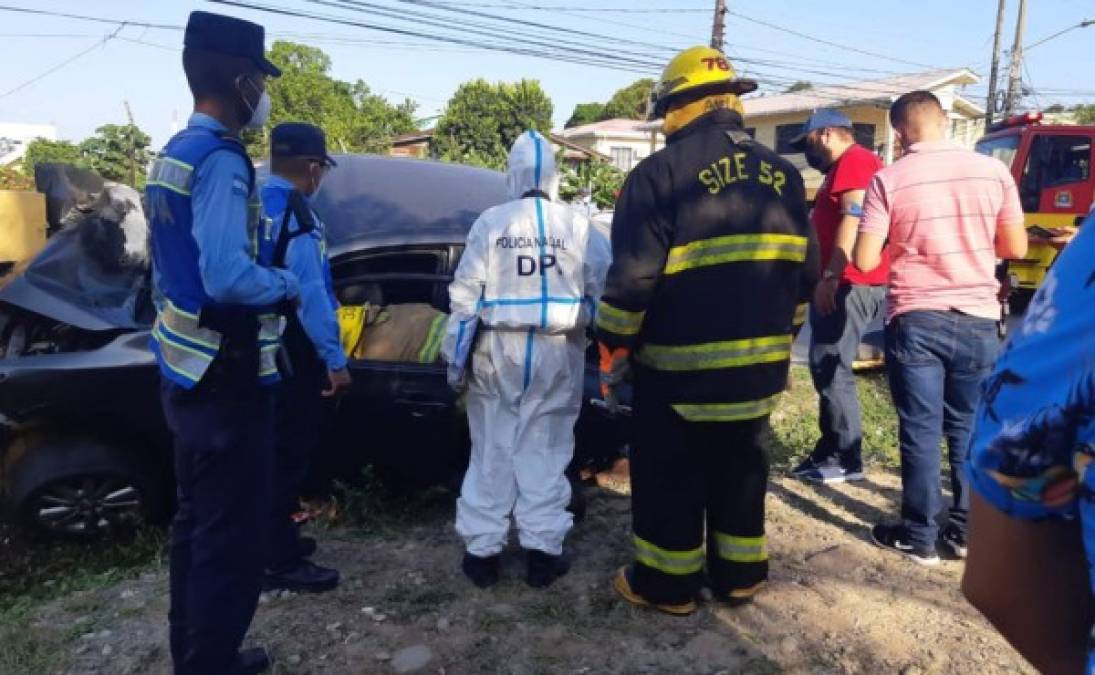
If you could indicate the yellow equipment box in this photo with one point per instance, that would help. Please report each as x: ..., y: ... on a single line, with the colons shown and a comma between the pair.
x: 22, y: 224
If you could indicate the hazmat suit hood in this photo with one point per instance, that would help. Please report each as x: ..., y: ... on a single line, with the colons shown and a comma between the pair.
x: 531, y: 166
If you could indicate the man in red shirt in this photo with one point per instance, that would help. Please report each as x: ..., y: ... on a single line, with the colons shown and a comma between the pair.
x: 846, y: 300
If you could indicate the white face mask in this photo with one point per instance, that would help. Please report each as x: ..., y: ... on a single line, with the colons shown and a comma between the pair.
x: 260, y: 113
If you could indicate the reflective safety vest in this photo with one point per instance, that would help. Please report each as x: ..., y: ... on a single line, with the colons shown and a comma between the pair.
x: 275, y: 199
x: 183, y: 348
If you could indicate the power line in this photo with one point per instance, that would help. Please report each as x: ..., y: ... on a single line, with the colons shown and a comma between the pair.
x: 479, y: 28
x: 42, y: 12
x: 591, y: 10
x: 604, y: 61
x: 62, y: 64
x: 813, y: 38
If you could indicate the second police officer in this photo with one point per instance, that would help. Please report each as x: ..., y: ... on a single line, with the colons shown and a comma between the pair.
x: 293, y: 237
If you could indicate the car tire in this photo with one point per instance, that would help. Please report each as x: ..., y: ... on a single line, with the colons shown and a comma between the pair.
x: 82, y: 489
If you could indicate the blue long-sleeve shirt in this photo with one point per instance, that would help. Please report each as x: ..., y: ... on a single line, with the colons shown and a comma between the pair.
x: 219, y: 196
x: 305, y: 258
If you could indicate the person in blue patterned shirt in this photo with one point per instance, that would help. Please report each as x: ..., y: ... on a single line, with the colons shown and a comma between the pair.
x: 1032, y: 530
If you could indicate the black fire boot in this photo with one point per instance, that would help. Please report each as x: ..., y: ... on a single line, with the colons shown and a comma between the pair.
x: 483, y: 572
x: 544, y: 569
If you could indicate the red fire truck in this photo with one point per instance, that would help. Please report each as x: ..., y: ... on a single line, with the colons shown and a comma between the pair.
x: 1052, y: 167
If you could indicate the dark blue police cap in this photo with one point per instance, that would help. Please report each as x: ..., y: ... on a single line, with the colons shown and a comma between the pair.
x: 230, y: 36
x: 297, y: 139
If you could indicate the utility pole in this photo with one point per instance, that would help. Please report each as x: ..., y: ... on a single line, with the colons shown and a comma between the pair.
x: 718, y: 26
x: 131, y: 135
x: 1015, y: 72
x: 990, y: 108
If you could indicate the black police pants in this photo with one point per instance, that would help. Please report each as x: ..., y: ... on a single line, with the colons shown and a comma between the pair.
x: 223, y: 451
x: 687, y: 477
x: 300, y: 415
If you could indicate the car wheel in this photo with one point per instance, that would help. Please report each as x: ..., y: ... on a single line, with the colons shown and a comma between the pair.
x: 81, y: 489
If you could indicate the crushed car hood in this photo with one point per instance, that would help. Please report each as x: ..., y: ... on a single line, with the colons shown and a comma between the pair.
x: 92, y: 273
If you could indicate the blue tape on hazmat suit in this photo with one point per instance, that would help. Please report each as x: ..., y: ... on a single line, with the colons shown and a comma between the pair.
x: 530, y: 275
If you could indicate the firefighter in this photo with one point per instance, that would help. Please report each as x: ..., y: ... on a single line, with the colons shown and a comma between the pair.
x: 712, y: 253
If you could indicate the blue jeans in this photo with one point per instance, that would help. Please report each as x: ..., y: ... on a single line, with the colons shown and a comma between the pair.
x: 936, y: 362
x: 834, y: 343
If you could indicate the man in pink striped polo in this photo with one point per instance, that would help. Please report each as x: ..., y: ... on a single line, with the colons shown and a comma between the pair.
x: 945, y: 213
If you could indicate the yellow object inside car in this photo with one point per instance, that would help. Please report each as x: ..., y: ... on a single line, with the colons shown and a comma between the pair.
x: 410, y: 333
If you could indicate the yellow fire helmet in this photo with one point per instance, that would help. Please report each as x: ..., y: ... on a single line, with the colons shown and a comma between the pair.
x: 698, y: 71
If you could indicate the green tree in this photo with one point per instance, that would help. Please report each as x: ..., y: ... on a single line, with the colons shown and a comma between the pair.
x: 1055, y: 108
x: 13, y: 179
x: 632, y: 102
x: 41, y: 150
x: 602, y: 179
x: 800, y: 85
x: 1085, y: 114
x: 586, y: 113
x: 483, y: 119
x: 354, y: 118
x: 119, y: 153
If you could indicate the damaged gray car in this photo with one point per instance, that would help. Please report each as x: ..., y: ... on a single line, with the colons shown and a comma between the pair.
x: 84, y: 449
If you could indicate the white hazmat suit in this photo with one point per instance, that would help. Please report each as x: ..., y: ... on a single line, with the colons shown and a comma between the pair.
x: 527, y: 286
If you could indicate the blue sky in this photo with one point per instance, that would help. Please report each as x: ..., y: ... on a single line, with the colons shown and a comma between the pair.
x: 142, y: 65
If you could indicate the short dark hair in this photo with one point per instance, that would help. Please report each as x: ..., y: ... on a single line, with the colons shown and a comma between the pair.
x: 212, y: 75
x: 899, y: 111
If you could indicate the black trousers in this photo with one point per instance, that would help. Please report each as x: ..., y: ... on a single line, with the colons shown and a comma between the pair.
x: 300, y: 422
x: 694, y: 484
x: 223, y: 451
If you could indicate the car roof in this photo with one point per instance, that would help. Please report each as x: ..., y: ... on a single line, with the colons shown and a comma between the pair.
x: 370, y: 201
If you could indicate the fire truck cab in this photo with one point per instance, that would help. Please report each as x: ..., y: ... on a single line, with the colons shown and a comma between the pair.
x: 1052, y: 168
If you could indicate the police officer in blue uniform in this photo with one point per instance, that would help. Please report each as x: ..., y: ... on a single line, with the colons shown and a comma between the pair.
x: 292, y: 230
x: 216, y: 340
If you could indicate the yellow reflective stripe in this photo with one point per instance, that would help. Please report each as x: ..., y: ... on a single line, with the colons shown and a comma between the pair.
x: 432, y: 346
x: 618, y: 321
x: 175, y: 369
x: 176, y: 162
x: 715, y: 355
x: 727, y: 412
x: 800, y: 314
x: 736, y: 248
x: 742, y: 549
x: 175, y: 309
x: 670, y: 562
x: 185, y: 325
x: 171, y: 174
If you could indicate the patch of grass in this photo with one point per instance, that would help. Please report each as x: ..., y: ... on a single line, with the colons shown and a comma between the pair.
x: 409, y: 602
x: 795, y: 422
x: 550, y: 611
x: 371, y: 508
x: 35, y: 572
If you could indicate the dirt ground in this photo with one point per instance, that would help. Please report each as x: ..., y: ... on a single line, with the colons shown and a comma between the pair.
x: 835, y: 604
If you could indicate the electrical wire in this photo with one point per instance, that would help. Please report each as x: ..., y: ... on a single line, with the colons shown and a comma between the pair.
x: 812, y: 38
x: 42, y: 12
x: 606, y: 62
x: 605, y: 10
x: 99, y: 43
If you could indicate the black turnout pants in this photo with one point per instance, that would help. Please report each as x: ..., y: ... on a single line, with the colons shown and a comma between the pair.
x: 697, y: 483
